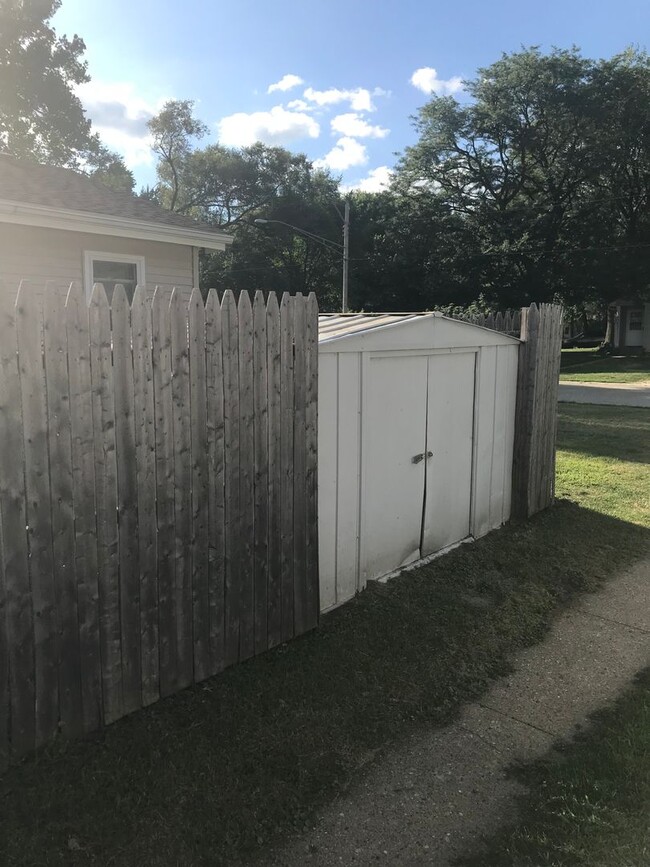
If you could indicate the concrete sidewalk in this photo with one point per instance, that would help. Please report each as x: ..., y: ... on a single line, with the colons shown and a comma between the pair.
x: 606, y: 393
x: 434, y: 797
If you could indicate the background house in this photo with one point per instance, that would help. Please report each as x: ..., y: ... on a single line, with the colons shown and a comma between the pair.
x: 56, y: 224
x: 630, y: 320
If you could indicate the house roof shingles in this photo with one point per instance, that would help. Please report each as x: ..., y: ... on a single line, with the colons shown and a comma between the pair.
x: 64, y: 189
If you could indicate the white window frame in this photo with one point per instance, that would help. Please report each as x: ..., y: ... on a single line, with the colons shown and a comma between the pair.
x: 638, y: 316
x: 91, y: 255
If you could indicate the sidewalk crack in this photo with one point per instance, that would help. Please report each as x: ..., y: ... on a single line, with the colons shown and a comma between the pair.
x: 520, y: 721
x: 611, y: 620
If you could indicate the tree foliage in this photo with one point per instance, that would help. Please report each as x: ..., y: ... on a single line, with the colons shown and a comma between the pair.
x: 41, y: 117
x: 549, y: 167
x: 535, y: 185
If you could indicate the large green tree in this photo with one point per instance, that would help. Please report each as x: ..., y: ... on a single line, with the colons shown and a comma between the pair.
x: 41, y: 117
x: 231, y: 187
x: 548, y: 165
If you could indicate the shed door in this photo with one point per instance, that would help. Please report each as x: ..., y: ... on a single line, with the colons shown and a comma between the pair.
x: 450, y: 426
x: 394, y: 431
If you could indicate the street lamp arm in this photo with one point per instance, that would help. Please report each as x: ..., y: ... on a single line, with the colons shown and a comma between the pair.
x: 343, y: 248
x: 326, y: 242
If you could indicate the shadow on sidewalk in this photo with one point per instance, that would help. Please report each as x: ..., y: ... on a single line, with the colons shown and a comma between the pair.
x: 221, y: 771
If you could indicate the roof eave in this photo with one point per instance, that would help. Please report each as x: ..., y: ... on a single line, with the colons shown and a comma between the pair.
x: 25, y: 214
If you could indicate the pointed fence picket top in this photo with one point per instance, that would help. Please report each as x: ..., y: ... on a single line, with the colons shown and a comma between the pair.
x: 157, y: 496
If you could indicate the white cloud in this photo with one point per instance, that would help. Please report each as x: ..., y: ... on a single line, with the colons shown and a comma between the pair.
x: 299, y: 105
x: 287, y: 82
x: 346, y: 153
x: 426, y: 79
x: 376, y: 180
x: 275, y: 127
x: 360, y: 99
x: 352, y: 124
x: 120, y: 117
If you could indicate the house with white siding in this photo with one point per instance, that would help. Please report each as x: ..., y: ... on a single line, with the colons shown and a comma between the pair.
x: 56, y: 224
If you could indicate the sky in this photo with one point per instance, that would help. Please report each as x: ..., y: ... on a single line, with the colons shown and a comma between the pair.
x: 339, y: 80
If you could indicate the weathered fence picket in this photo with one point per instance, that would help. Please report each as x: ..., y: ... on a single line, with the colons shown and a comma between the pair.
x: 83, y: 498
x: 29, y: 332
x: 216, y: 479
x: 21, y: 717
x: 146, y: 479
x: 536, y: 411
x: 62, y: 509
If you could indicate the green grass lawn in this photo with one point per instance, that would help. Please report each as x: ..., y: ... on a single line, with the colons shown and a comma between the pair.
x: 604, y: 459
x: 221, y: 771
x: 585, y: 365
x: 589, y: 800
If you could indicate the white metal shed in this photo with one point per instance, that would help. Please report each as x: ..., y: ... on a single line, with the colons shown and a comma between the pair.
x: 415, y: 441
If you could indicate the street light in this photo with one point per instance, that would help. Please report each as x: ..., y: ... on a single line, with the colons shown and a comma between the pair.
x: 326, y: 242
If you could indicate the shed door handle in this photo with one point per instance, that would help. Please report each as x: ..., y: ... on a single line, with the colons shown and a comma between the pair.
x: 417, y: 458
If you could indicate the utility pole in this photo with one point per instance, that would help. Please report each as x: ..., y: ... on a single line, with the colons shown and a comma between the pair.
x: 346, y: 256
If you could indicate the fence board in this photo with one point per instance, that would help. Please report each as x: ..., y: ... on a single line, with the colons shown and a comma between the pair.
x: 182, y: 488
x: 261, y: 475
x: 101, y: 369
x: 311, y: 472
x: 19, y: 618
x: 299, y: 468
x: 286, y: 463
x: 536, y: 412
x: 162, y: 380
x: 215, y: 449
x: 230, y: 338
x: 555, y: 380
x: 29, y: 334
x: 147, y: 483
x: 145, y: 473
x: 83, y: 494
x: 246, y: 479
x: 5, y: 695
x: 127, y: 501
x: 199, y: 452
x: 274, y: 367
x: 55, y: 350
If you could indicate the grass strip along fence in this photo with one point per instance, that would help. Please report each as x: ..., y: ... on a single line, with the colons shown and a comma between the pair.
x: 157, y: 497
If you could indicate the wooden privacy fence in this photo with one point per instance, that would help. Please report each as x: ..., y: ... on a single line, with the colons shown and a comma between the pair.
x: 157, y: 497
x: 533, y: 476
x: 508, y: 322
x: 540, y: 329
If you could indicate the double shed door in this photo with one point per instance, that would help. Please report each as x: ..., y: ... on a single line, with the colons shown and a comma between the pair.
x: 418, y: 423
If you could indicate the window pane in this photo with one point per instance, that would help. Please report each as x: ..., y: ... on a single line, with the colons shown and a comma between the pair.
x: 112, y: 273
x: 118, y: 272
x: 636, y: 320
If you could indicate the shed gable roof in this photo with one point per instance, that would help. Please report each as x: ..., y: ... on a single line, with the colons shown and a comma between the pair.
x: 353, y: 332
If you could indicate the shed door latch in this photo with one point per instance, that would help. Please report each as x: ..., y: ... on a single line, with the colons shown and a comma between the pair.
x: 417, y: 458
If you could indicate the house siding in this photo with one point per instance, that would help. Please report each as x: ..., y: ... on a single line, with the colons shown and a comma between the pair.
x: 38, y: 255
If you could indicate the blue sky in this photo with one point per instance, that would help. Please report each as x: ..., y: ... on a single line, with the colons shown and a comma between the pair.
x: 337, y: 80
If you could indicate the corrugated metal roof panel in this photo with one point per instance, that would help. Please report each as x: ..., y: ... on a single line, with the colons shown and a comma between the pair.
x: 333, y: 325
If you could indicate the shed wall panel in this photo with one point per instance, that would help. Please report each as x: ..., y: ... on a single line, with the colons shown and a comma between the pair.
x: 328, y: 476
x: 484, y: 431
x: 349, y: 469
